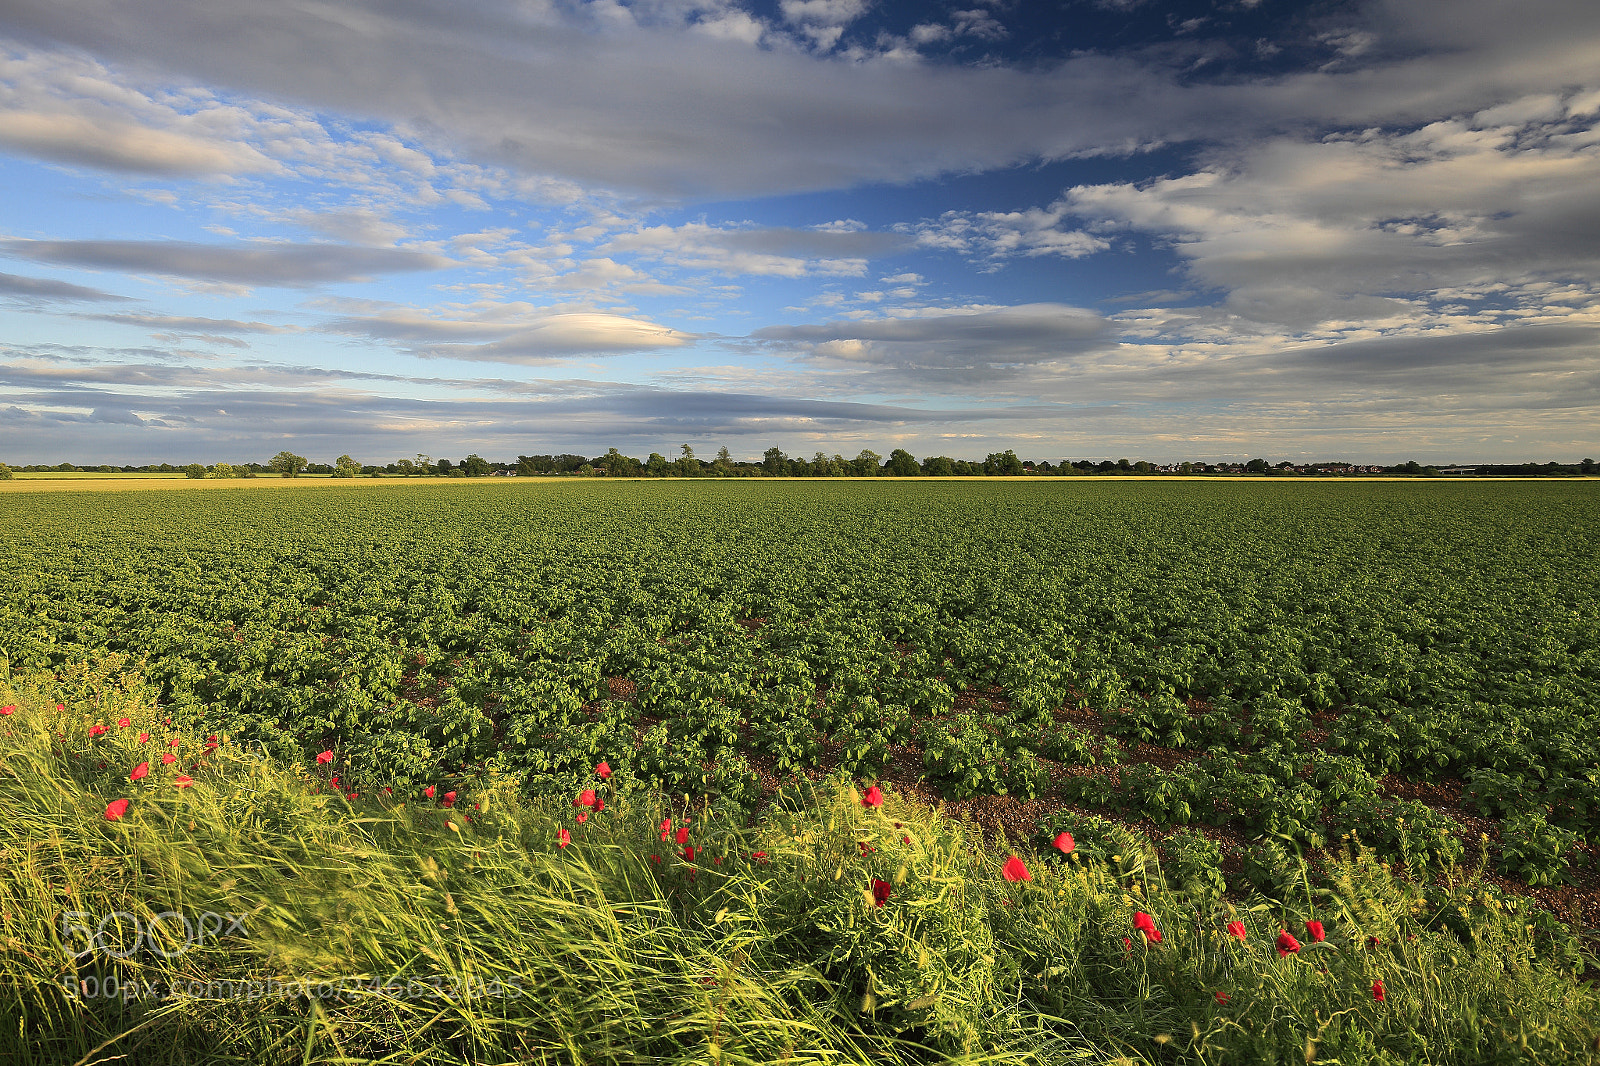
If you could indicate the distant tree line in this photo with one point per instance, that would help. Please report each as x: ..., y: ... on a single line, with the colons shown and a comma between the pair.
x: 774, y: 463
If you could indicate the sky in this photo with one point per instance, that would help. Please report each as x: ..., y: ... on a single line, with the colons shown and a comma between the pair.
x: 1213, y: 230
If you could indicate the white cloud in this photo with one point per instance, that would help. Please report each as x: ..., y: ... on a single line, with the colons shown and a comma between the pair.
x: 512, y: 333
x: 838, y: 249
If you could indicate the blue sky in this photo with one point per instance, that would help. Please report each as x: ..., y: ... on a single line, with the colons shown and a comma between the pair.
x: 1086, y: 229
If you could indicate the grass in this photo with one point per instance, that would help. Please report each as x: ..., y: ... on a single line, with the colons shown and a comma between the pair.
x: 388, y: 928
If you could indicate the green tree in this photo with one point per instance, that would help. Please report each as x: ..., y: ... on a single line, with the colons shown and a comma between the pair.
x: 724, y: 463
x: 194, y: 470
x: 687, y: 464
x: 476, y: 466
x: 868, y: 463
x: 287, y: 464
x: 5, y: 473
x: 657, y: 465
x: 773, y: 461
x: 903, y: 464
x: 1258, y: 466
x: 346, y: 467
x: 1003, y: 464
x: 938, y: 466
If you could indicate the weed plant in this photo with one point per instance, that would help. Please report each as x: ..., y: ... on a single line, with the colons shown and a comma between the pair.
x: 618, y: 925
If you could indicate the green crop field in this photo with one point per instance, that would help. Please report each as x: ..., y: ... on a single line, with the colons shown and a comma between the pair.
x: 1217, y: 688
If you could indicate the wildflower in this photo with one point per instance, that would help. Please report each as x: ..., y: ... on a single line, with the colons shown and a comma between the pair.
x: 655, y: 858
x: 907, y: 839
x: 7, y: 710
x: 603, y: 771
x: 211, y: 743
x: 1127, y: 944
x: 168, y: 759
x: 144, y: 738
x: 1064, y: 843
x: 173, y: 742
x: 880, y: 892
x: 1222, y: 998
x: 688, y: 853
x: 139, y: 771
x: 115, y: 809
x: 563, y: 838
x: 1373, y: 941
x: 61, y: 706
x: 122, y: 723
x: 352, y: 795
x: 585, y: 798
x: 583, y: 816
x: 1287, y: 945
x: 182, y: 781
x: 97, y: 730
x: 1236, y: 930
x: 324, y: 757
x: 1315, y: 929
x: 599, y: 804
x: 682, y: 836
x: 449, y: 799
x: 873, y: 797
x: 1146, y: 925
x: 1377, y: 990
x: 428, y: 792
x: 387, y: 791
x: 759, y: 856
x: 1014, y: 870
x: 666, y: 828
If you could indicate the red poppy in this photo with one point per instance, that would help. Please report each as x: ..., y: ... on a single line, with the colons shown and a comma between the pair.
x: 96, y: 730
x: 1287, y: 945
x: 866, y: 848
x: 688, y: 853
x: 428, y: 792
x: 139, y: 771
x: 1146, y: 925
x: 583, y: 816
x: 1373, y: 941
x: 682, y: 836
x: 759, y: 856
x: 173, y: 742
x: 1236, y: 930
x: 1014, y: 870
x: 585, y: 798
x: 563, y: 838
x: 1377, y: 990
x: 907, y: 839
x: 599, y: 804
x: 168, y: 759
x: 1064, y: 843
x: 144, y: 738
x: 873, y: 797
x: 1127, y: 944
x: 449, y: 799
x: 122, y: 723
x: 603, y: 771
x: 666, y: 828
x: 61, y: 706
x: 1315, y: 929
x: 115, y: 809
x: 7, y: 710
x: 211, y: 743
x: 352, y: 795
x: 333, y: 782
x: 387, y: 791
x: 1222, y: 997
x: 655, y: 858
x: 181, y: 781
x: 324, y: 757
x: 880, y: 892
